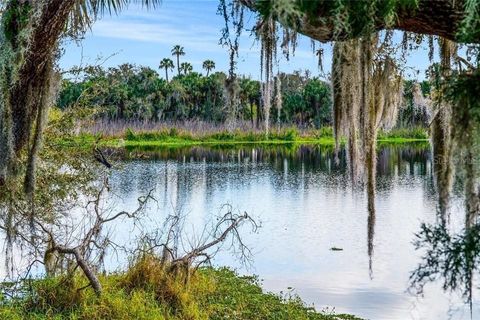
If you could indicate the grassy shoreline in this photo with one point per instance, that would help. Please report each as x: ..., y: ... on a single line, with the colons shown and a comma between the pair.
x: 148, y: 292
x: 173, y: 137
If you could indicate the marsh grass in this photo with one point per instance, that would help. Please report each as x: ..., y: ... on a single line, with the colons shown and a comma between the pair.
x: 194, y: 133
x: 415, y: 133
x: 195, y: 130
x: 148, y: 291
x: 287, y: 134
x: 117, y: 128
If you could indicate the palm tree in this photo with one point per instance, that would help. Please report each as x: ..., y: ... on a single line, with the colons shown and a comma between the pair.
x: 178, y: 51
x: 166, y: 64
x: 319, y: 54
x: 208, y: 65
x: 186, y: 68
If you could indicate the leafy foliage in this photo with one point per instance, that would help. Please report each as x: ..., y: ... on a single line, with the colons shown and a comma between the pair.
x: 128, y: 92
x: 464, y: 91
x: 470, y: 28
x: 452, y: 258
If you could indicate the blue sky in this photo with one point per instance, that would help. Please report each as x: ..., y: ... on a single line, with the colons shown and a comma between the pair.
x: 145, y: 37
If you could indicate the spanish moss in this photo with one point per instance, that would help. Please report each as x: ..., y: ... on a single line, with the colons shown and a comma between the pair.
x: 266, y: 30
x: 278, y: 97
x: 441, y: 132
x: 233, y: 13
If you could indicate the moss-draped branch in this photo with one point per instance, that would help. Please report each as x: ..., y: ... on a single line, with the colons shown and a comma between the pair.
x: 329, y: 20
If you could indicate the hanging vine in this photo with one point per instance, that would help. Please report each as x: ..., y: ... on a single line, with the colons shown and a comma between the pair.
x: 289, y: 42
x: 463, y: 93
x: 440, y: 128
x: 232, y: 12
x: 346, y: 83
x: 266, y: 31
x: 278, y: 97
x: 368, y: 91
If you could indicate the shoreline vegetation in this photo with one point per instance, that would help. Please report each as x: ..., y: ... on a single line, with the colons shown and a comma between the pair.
x: 147, y: 291
x: 182, y: 135
x: 41, y: 189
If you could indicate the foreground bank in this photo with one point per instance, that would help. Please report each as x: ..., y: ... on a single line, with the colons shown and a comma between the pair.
x: 146, y: 292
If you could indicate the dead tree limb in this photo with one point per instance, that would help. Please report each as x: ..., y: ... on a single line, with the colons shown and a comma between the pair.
x: 84, y: 247
x: 227, y: 227
x: 233, y: 222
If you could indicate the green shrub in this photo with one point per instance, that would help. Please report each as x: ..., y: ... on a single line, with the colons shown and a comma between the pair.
x: 290, y: 134
x: 130, y: 135
x: 324, y: 132
x: 173, y: 132
x: 404, y: 133
x: 149, y: 290
x: 222, y: 136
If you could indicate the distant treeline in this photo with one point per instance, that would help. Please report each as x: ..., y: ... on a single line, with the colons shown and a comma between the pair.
x: 130, y: 92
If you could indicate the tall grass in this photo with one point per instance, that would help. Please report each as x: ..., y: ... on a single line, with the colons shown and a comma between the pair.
x: 179, y: 135
x: 148, y: 291
x: 404, y: 133
x: 196, y: 132
x: 117, y: 128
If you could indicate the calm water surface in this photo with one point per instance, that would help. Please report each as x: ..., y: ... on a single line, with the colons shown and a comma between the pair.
x: 306, y: 206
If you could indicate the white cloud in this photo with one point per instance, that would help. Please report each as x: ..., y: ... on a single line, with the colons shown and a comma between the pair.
x: 203, y: 39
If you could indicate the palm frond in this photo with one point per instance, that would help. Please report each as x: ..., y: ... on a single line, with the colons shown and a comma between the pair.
x: 85, y: 12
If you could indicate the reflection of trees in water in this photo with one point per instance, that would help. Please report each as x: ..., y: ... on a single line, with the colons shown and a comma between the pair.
x: 289, y: 167
x: 370, y: 225
x: 400, y: 161
x: 146, y: 176
x: 391, y: 162
x: 452, y: 258
x: 414, y: 159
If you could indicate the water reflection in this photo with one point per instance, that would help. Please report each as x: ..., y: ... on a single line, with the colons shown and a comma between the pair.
x: 371, y: 231
x: 392, y: 160
x: 307, y: 205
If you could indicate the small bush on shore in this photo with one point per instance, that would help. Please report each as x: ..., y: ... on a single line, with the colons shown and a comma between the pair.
x: 324, y: 132
x: 404, y: 133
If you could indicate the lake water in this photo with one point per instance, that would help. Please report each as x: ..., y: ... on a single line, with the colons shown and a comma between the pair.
x: 306, y: 206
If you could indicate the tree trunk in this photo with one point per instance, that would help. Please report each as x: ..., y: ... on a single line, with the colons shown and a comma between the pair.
x: 82, y: 263
x: 49, y: 88
x: 318, y: 120
x: 259, y: 112
x: 36, y: 67
x: 178, y: 64
x: 251, y: 114
x: 28, y: 47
